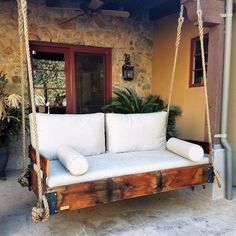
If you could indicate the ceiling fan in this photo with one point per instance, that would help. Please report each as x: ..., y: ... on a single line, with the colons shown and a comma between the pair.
x: 93, y: 10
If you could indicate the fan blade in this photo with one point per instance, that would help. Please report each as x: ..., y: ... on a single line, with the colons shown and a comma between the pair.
x: 95, y: 4
x: 124, y: 14
x: 72, y: 18
x: 99, y: 21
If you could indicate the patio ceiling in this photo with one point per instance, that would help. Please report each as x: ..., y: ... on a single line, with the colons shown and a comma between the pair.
x: 157, y: 8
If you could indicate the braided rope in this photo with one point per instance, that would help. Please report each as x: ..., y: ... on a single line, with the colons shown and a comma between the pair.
x: 24, y: 179
x: 31, y: 87
x: 177, y: 43
x: 201, y: 34
x: 41, y: 212
x: 20, y: 31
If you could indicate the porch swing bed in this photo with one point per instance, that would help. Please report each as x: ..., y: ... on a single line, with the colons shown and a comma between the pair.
x: 112, y: 175
x: 109, y: 181
x: 125, y: 156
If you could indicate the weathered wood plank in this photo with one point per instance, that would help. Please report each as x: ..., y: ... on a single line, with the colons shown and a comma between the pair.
x: 34, y: 182
x: 45, y: 163
x: 89, y: 194
x: 215, y: 77
x: 103, y: 191
x: 136, y: 185
x: 179, y: 178
x: 211, y: 11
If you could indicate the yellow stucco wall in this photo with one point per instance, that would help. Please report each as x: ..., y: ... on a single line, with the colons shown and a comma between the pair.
x: 232, y: 101
x: 191, y: 124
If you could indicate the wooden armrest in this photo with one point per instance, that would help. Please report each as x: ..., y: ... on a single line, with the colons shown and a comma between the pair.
x: 44, y: 162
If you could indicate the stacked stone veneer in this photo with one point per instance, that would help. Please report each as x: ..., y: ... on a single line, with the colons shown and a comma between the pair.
x: 133, y: 36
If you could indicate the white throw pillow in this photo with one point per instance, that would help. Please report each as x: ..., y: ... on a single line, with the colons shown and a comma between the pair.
x: 85, y: 133
x: 185, y: 149
x: 74, y: 162
x: 135, y: 132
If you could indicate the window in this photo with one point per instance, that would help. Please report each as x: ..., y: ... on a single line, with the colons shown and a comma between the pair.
x: 49, y: 81
x: 196, y: 68
x: 71, y: 79
x: 90, y: 82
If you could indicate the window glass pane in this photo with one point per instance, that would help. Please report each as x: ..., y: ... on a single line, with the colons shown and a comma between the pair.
x: 90, y: 82
x: 197, y: 47
x: 197, y: 67
x: 50, y: 80
x: 53, y: 79
x: 43, y: 64
x: 206, y: 40
x: 198, y: 62
x: 198, y: 77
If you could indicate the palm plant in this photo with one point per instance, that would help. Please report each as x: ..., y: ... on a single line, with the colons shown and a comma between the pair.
x: 10, y: 113
x: 127, y: 101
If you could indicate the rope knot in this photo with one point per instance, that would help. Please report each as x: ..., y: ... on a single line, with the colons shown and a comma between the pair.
x: 24, y: 179
x: 40, y: 213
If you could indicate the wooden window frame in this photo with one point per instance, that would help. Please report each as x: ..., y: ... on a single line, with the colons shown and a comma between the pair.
x: 192, y: 56
x: 69, y: 52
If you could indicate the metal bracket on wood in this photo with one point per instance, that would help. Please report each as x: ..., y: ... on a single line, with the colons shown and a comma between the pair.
x: 160, y: 185
x: 210, y: 174
x: 109, y: 189
x: 52, y: 202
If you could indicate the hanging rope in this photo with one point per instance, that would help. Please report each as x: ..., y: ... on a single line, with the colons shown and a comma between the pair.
x: 24, y: 178
x: 41, y: 212
x: 201, y: 35
x: 177, y: 43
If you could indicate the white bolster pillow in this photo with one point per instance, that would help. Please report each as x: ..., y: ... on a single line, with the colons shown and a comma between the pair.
x: 73, y: 161
x: 185, y: 149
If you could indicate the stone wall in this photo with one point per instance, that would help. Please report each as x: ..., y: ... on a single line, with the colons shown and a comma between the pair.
x: 133, y: 36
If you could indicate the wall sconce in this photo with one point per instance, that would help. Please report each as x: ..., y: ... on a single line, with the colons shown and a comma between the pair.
x: 127, y: 69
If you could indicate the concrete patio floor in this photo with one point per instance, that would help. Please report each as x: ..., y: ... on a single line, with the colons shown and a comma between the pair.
x: 180, y: 212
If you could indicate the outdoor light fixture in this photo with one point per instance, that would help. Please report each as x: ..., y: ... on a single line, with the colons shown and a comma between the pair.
x: 127, y: 69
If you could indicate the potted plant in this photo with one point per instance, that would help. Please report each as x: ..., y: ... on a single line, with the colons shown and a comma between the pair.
x: 10, y: 121
x: 127, y: 101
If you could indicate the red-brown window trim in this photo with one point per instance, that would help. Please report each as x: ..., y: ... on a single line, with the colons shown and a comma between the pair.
x: 69, y: 52
x: 192, y: 56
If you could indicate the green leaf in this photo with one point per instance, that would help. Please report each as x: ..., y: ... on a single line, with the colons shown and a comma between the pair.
x: 127, y: 101
x: 135, y: 100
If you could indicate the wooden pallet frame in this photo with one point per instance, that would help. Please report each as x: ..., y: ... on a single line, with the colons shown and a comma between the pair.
x: 83, y: 195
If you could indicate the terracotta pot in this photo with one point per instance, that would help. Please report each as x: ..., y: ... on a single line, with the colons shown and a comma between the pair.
x: 4, y: 154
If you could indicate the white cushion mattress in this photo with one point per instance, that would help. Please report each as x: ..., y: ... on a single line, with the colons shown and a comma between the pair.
x: 109, y: 165
x: 85, y: 133
x: 135, y: 132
